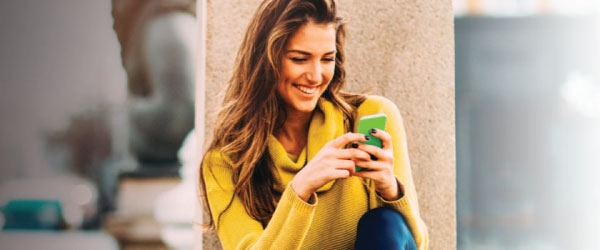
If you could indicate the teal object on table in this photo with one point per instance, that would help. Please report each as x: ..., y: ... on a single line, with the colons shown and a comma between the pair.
x: 33, y: 215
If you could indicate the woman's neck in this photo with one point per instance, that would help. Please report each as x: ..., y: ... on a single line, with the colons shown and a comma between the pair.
x: 293, y: 135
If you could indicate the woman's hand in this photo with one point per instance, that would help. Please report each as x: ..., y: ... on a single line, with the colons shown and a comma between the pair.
x: 333, y: 161
x: 380, y: 168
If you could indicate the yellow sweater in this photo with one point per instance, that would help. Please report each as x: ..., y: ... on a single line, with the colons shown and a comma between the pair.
x: 330, y: 221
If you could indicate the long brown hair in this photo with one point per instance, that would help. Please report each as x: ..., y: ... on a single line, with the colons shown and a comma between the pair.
x: 251, y: 108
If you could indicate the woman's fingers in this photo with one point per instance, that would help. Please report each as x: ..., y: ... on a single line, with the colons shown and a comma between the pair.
x: 353, y: 154
x: 342, y: 173
x: 346, y: 139
x: 386, y: 138
x: 334, y: 161
x: 375, y: 153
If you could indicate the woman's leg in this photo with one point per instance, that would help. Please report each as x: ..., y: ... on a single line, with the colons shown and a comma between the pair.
x: 383, y: 228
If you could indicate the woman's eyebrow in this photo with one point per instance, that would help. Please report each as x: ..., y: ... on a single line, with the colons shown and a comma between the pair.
x: 308, y: 53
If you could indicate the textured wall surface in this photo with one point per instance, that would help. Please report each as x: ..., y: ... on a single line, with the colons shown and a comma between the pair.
x: 401, y: 49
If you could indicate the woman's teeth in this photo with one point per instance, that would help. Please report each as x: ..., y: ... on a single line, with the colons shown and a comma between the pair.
x: 306, y: 90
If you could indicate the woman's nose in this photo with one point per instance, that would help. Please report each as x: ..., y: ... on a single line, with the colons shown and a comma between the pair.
x: 315, y: 73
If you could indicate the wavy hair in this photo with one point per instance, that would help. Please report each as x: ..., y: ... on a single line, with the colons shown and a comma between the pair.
x: 252, y: 90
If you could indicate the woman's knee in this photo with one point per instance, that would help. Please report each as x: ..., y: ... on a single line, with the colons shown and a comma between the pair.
x: 384, y: 228
x: 382, y: 217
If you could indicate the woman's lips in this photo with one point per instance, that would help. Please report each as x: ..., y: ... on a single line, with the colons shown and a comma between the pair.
x: 305, y: 89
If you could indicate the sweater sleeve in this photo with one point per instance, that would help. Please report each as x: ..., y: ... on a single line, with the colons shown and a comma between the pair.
x: 408, y: 204
x: 236, y: 229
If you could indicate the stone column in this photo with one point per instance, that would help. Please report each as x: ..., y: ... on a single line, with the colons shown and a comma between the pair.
x: 200, y: 128
x: 403, y: 50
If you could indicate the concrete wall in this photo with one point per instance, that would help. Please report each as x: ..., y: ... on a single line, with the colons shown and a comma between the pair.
x: 405, y: 50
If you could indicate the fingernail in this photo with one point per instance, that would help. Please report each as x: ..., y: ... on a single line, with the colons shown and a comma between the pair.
x: 373, y: 158
x: 354, y: 145
x: 373, y: 131
x: 367, y: 137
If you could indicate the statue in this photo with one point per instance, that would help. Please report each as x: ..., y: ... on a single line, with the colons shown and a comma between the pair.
x: 158, y: 41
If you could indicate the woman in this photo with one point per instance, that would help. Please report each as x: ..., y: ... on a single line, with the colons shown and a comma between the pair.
x: 280, y: 170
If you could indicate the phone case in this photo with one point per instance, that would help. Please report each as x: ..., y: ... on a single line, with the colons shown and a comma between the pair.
x: 366, y: 123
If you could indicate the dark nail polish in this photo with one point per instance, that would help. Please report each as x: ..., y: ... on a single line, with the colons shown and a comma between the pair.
x: 367, y: 137
x: 373, y: 158
x: 354, y: 145
x: 373, y: 131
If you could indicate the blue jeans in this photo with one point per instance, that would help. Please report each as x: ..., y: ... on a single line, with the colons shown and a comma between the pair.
x: 383, y: 228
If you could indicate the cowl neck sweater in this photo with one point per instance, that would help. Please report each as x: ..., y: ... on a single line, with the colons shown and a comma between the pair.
x: 327, y: 123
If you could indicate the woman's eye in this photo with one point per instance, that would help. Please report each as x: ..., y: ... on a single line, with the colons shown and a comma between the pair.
x: 298, y: 59
x: 328, y: 59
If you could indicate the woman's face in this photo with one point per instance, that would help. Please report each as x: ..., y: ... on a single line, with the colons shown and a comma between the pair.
x: 307, y: 67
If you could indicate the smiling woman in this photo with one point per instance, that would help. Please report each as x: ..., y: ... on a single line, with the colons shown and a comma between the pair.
x: 294, y: 181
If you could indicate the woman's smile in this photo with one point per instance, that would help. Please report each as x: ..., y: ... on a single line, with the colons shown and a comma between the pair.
x: 309, y: 90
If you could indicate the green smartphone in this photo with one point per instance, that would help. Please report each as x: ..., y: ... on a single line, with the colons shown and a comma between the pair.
x: 368, y: 122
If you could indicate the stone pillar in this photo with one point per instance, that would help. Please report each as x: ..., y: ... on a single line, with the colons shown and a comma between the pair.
x: 200, y: 102
x: 404, y: 50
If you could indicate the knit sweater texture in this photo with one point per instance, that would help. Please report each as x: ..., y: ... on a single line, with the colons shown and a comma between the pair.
x: 330, y: 220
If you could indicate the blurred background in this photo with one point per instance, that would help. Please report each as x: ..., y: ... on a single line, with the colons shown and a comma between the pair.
x: 527, y: 123
x: 96, y: 104
x: 93, y: 156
